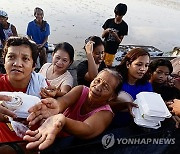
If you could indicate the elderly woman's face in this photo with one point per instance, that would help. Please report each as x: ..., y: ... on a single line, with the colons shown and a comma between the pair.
x: 103, y: 87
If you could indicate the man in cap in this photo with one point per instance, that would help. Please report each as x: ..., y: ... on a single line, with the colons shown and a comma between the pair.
x: 8, y: 29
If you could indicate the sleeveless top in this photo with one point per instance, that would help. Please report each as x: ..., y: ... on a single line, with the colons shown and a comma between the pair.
x: 73, y: 112
x: 8, y: 32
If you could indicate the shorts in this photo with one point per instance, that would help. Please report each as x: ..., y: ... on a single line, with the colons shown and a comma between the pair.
x: 108, y: 59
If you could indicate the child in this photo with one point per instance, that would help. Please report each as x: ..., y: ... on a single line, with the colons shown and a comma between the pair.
x: 56, y: 72
x: 86, y: 111
x: 88, y: 69
x: 20, y: 57
x: 38, y: 30
x: 159, y: 71
x: 114, y: 31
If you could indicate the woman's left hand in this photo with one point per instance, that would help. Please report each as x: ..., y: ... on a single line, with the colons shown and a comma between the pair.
x: 46, y: 133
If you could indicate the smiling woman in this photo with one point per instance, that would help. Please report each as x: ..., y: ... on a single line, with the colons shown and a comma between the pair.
x: 56, y: 73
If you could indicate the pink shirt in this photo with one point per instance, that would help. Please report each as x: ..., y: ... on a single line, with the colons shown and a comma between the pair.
x: 73, y: 112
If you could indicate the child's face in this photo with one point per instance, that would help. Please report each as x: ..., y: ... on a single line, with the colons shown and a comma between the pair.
x: 19, y: 63
x: 138, y: 67
x: 98, y: 54
x: 102, y: 87
x: 118, y: 17
x: 160, y: 75
x: 61, y: 61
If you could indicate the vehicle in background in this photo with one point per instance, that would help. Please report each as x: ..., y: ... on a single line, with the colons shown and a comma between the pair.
x: 124, y: 49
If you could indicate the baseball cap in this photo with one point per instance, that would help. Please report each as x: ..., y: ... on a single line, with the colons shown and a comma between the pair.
x: 3, y: 14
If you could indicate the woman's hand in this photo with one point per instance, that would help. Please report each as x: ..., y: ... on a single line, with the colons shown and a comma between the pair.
x: 46, y: 108
x: 130, y: 105
x: 4, y: 112
x: 50, y: 91
x: 89, y: 47
x: 46, y: 133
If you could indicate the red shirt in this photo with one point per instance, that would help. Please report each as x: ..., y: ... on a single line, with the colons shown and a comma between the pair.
x: 7, y: 134
x: 5, y: 85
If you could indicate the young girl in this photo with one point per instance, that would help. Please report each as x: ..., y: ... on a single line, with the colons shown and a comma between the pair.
x: 87, y: 113
x: 88, y: 69
x: 133, y: 69
x: 56, y: 72
x: 38, y: 30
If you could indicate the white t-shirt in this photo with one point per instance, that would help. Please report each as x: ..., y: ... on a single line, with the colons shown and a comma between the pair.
x: 64, y: 79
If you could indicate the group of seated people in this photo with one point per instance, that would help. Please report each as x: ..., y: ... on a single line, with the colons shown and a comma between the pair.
x: 85, y: 110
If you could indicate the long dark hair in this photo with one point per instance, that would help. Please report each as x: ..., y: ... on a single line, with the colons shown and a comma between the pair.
x: 97, y: 41
x: 131, y: 56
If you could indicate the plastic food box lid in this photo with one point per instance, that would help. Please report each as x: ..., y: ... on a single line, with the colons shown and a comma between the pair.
x: 152, y: 105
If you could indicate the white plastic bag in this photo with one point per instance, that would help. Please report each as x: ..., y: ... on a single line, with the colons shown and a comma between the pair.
x: 19, y: 128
